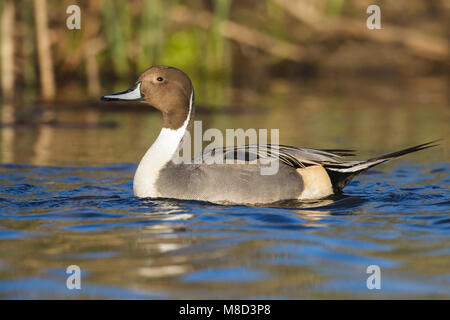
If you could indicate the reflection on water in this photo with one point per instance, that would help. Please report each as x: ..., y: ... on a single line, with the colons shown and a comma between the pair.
x: 66, y: 198
x: 368, y: 117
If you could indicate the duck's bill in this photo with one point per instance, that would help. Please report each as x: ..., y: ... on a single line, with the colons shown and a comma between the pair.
x: 131, y: 94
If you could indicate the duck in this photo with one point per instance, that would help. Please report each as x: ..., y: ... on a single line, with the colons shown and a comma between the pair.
x: 302, y: 173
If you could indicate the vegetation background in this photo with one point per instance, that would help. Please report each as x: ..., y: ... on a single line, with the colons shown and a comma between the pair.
x: 243, y: 56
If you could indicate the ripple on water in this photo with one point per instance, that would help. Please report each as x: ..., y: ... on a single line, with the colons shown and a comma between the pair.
x: 51, y: 217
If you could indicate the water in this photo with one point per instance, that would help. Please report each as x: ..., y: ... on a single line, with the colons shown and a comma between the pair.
x: 66, y: 199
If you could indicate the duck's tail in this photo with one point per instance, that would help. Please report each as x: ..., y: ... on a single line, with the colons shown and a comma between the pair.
x: 340, y: 176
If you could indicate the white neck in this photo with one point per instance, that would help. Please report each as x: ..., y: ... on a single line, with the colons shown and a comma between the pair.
x: 157, y: 156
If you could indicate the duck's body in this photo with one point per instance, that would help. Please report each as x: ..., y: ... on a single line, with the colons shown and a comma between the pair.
x: 240, y: 183
x: 301, y: 173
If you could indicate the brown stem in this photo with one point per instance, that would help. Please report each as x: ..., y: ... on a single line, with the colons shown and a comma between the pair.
x: 7, y: 49
x: 419, y: 44
x: 44, y: 50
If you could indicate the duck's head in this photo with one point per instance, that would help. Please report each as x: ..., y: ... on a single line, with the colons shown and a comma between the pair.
x: 167, y: 89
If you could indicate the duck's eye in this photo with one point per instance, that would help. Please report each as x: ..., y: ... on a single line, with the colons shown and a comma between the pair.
x: 160, y: 79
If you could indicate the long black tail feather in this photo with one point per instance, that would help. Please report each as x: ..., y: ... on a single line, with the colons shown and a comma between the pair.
x: 340, y: 177
x: 396, y: 154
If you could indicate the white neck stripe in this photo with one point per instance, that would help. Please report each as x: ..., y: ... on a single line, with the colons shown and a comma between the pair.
x: 158, y: 155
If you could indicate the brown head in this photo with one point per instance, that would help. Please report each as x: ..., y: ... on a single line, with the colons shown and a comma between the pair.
x: 167, y: 89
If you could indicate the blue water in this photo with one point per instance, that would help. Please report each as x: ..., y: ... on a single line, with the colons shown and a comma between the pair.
x: 396, y: 217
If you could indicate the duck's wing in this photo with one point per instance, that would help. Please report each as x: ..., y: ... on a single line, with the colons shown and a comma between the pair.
x: 340, y: 171
x: 292, y: 156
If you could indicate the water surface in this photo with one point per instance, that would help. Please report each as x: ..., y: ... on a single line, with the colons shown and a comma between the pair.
x: 66, y: 199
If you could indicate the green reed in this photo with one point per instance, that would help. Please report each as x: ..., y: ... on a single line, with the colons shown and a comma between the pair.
x: 117, y: 26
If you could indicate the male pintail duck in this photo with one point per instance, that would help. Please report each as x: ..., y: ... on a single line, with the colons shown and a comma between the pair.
x: 302, y: 174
